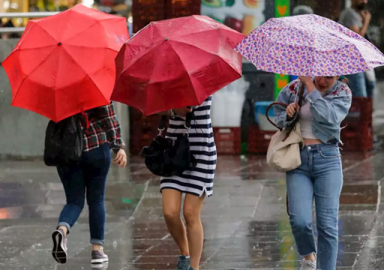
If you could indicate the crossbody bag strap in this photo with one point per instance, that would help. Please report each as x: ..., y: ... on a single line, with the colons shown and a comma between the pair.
x: 163, y: 122
x: 188, y: 119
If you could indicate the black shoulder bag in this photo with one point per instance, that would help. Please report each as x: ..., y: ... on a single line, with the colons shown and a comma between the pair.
x: 64, y: 142
x: 166, y: 157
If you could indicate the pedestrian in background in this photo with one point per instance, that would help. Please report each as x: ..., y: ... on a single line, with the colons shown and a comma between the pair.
x: 357, y: 18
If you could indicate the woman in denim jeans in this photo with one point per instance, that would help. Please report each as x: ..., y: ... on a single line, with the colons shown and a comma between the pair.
x: 87, y: 180
x: 326, y: 103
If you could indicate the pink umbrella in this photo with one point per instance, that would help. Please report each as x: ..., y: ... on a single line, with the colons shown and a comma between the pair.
x: 309, y: 45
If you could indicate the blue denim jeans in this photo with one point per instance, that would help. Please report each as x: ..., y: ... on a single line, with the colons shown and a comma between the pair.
x: 319, y: 178
x: 357, y: 84
x: 86, y: 179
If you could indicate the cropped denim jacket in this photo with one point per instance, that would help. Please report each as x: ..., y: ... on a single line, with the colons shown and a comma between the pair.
x: 328, y: 110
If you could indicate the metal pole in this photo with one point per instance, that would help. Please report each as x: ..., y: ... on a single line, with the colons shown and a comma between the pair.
x: 11, y: 30
x: 27, y: 14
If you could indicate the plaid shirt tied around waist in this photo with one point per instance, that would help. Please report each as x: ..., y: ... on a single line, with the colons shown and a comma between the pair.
x: 104, y: 127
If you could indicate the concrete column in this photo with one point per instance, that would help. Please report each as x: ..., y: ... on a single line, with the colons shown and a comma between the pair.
x: 122, y: 112
x: 22, y: 132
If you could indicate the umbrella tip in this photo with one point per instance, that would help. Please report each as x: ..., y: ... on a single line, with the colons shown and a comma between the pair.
x: 166, y: 39
x: 59, y: 44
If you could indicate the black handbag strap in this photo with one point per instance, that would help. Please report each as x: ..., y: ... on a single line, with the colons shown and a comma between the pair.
x: 301, y: 93
x: 296, y: 116
x: 187, y: 125
x: 188, y: 120
x: 163, y: 121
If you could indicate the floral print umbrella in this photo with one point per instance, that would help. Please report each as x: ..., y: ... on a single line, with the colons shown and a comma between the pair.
x: 309, y: 45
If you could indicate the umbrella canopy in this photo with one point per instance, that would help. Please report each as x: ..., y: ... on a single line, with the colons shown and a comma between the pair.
x: 176, y: 63
x: 64, y: 64
x: 309, y: 45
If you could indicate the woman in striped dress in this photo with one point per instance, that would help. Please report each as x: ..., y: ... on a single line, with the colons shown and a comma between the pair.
x: 196, y: 184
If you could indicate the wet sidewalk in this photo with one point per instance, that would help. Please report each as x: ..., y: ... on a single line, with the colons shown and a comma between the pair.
x: 246, y: 225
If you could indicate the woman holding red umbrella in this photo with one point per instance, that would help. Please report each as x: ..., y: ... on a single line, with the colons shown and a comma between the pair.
x: 88, y: 178
x: 64, y: 65
x: 172, y: 64
x: 196, y: 183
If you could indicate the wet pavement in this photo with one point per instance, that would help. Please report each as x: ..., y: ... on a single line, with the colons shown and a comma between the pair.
x: 246, y: 225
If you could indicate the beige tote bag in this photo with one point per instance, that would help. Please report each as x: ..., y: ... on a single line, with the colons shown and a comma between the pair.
x: 284, y: 149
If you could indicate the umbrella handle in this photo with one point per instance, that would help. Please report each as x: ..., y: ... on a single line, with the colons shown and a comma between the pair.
x: 86, y: 119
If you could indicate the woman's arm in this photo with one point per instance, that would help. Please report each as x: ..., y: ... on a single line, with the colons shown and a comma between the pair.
x: 328, y: 111
x: 112, y: 127
x: 331, y: 111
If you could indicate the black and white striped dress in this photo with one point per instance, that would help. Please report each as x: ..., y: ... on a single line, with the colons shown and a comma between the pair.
x: 200, y: 180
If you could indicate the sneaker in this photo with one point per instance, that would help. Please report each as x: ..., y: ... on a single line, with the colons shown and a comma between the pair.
x: 59, y: 251
x: 183, y: 263
x: 100, y: 266
x: 99, y: 257
x: 308, y: 265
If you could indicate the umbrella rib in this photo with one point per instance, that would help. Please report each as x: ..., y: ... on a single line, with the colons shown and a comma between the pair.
x: 132, y: 62
x: 79, y: 33
x: 201, y: 32
x: 20, y: 42
x: 37, y: 66
x: 194, y: 92
x: 179, y: 41
x: 90, y: 48
x: 96, y: 22
x: 201, y: 50
x: 182, y: 42
x: 28, y: 49
x: 42, y: 28
x: 81, y: 67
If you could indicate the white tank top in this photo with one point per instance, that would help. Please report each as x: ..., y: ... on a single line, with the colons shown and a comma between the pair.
x: 305, y: 121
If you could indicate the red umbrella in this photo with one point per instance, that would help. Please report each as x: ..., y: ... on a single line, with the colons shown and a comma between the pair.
x: 176, y: 63
x: 64, y: 64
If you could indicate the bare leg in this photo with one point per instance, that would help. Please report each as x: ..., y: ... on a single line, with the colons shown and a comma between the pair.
x: 96, y: 247
x: 310, y: 257
x: 195, y: 233
x: 171, y: 209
